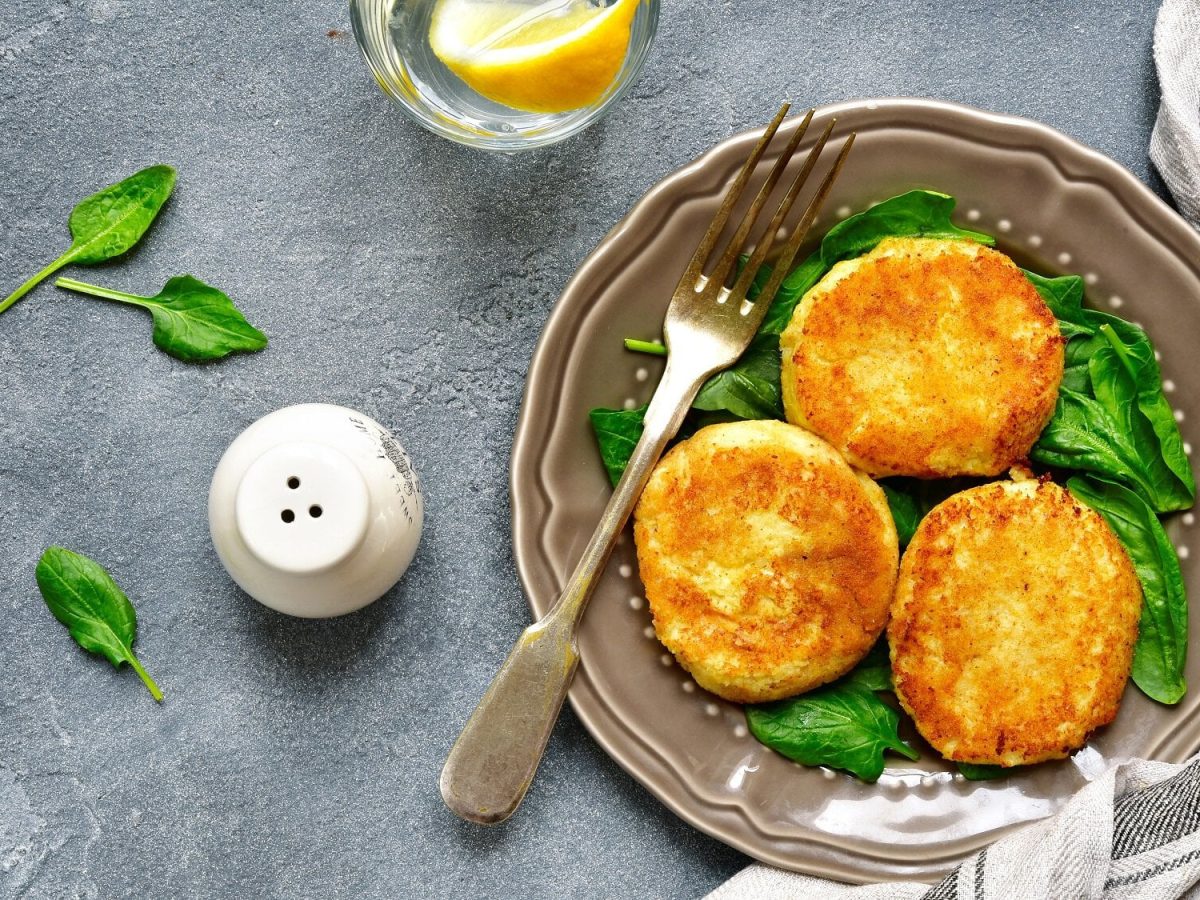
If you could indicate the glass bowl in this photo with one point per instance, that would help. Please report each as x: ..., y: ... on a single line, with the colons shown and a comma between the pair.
x: 394, y: 37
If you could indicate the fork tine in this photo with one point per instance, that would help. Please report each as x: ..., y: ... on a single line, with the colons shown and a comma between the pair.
x: 725, y: 265
x: 796, y: 238
x: 705, y: 248
x: 785, y: 206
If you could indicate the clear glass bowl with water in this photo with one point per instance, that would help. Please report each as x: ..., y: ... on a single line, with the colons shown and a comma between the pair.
x: 394, y: 37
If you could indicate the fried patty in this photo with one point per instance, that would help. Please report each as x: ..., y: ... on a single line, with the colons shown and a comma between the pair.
x: 768, y: 562
x: 1013, y: 626
x: 924, y: 357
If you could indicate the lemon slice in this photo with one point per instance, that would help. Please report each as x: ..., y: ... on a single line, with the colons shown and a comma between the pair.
x: 548, y: 57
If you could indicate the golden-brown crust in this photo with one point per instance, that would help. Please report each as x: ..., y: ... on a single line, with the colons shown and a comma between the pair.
x: 925, y: 357
x: 768, y: 562
x: 1013, y: 626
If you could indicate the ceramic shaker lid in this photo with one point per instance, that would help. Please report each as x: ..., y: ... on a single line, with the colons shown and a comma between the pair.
x: 315, y: 510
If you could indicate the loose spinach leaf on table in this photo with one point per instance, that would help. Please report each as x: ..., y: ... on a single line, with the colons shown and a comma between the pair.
x: 844, y: 726
x: 192, y: 321
x: 84, y: 597
x: 1161, y: 650
x: 108, y: 223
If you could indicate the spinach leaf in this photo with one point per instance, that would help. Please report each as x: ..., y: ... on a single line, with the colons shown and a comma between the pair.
x: 84, y: 597
x: 798, y: 283
x: 915, y: 214
x: 981, y: 772
x: 1083, y: 434
x: 874, y: 671
x: 654, y: 348
x: 617, y: 432
x: 108, y: 223
x: 1107, y: 430
x: 1145, y: 414
x: 906, y: 512
x: 750, y: 387
x: 844, y: 726
x: 1161, y: 650
x: 1137, y: 354
x: 1064, y: 296
x: 911, y: 499
x: 192, y: 321
x: 1113, y: 372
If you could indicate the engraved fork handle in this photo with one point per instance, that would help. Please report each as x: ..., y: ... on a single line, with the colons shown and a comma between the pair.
x: 492, y: 763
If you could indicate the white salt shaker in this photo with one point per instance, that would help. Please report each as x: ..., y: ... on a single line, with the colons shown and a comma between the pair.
x: 315, y: 510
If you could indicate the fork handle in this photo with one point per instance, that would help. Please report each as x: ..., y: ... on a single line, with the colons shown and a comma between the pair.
x: 493, y: 762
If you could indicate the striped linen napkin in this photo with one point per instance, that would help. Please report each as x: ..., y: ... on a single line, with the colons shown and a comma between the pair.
x: 1132, y: 834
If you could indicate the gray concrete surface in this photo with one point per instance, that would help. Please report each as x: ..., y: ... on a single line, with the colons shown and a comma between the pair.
x: 408, y: 277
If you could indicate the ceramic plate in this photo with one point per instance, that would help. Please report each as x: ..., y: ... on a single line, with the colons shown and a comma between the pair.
x: 1056, y: 207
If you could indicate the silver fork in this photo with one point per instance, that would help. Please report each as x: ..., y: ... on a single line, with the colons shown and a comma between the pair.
x: 707, y: 327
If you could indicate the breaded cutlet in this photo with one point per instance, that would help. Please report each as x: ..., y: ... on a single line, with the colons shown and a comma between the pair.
x: 768, y: 562
x: 1013, y: 625
x: 925, y: 357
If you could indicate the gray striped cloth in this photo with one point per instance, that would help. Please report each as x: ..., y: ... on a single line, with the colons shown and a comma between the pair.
x: 1132, y: 834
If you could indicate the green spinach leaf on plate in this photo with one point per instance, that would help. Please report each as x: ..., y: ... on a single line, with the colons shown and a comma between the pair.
x: 617, y: 432
x: 1085, y: 434
x: 749, y: 389
x: 843, y: 725
x: 914, y: 214
x: 1112, y: 416
x: 1161, y: 650
x: 907, y: 511
x: 981, y: 772
x: 911, y: 499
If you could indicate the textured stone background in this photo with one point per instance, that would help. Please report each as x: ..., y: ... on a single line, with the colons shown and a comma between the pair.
x: 407, y: 277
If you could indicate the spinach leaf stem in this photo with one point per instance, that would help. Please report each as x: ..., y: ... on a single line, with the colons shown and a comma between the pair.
x: 94, y: 290
x: 154, y: 689
x: 652, y: 347
x: 34, y: 280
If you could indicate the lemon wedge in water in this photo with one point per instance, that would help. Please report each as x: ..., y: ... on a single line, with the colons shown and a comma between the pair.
x: 540, y: 57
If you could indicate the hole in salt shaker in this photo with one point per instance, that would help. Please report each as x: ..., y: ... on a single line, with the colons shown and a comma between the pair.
x: 293, y: 482
x: 288, y: 516
x: 315, y: 511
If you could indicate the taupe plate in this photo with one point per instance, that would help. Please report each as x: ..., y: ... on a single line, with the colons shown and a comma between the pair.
x: 1055, y: 206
